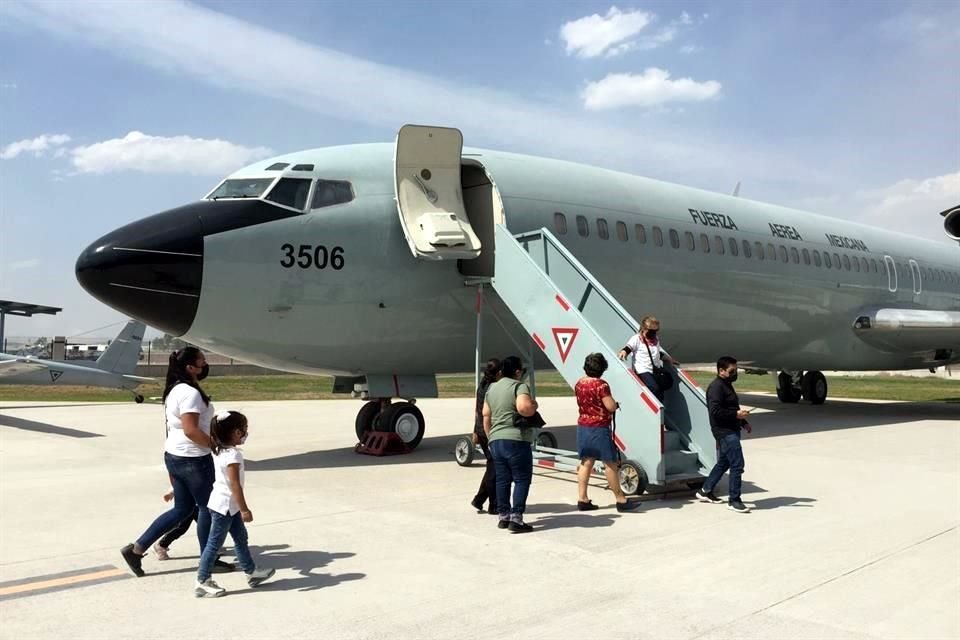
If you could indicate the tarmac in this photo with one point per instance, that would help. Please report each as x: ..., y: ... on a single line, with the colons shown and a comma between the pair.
x: 853, y: 533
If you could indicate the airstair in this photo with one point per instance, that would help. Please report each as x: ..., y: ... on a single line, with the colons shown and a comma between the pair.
x: 569, y: 314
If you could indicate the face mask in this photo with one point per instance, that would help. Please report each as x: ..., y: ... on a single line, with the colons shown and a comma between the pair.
x: 243, y: 439
x: 651, y: 334
x: 204, y: 372
x: 732, y: 377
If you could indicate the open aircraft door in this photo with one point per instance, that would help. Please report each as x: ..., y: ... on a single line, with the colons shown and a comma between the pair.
x: 429, y: 194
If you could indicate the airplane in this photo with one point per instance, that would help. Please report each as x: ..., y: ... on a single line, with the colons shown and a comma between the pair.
x: 112, y: 369
x: 339, y: 261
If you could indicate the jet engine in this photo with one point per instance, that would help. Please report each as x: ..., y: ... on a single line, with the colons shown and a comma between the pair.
x: 951, y: 222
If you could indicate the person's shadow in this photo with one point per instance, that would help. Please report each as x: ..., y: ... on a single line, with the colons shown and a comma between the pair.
x: 563, y: 516
x: 305, y: 563
x: 776, y: 502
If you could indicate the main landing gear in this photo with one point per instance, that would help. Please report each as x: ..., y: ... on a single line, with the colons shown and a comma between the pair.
x: 401, y: 418
x: 811, y: 386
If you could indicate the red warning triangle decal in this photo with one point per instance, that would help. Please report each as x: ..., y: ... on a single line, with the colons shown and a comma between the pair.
x: 564, y: 339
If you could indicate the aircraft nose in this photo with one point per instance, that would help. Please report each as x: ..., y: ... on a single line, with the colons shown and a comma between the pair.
x: 151, y: 269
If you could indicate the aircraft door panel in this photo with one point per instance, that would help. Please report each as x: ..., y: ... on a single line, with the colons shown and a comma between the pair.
x: 917, y: 282
x: 429, y: 194
x: 891, y: 274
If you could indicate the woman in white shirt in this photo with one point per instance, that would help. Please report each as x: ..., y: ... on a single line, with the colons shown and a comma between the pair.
x: 186, y: 453
x: 648, y: 355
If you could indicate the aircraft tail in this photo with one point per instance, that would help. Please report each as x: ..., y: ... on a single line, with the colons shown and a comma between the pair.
x: 124, y: 352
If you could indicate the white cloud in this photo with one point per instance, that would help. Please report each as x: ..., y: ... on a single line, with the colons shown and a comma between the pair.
x: 689, y: 49
x: 651, y: 88
x: 908, y: 206
x: 596, y: 35
x: 37, y: 146
x: 156, y: 154
x: 614, y: 34
x: 24, y: 265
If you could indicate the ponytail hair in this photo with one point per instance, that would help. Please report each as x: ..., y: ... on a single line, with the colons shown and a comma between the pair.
x: 491, y: 371
x: 222, y: 426
x: 177, y: 372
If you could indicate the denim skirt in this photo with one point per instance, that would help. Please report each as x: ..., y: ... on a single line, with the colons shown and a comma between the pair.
x: 596, y: 443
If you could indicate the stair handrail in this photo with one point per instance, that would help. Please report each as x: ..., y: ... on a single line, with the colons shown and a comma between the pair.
x: 628, y: 319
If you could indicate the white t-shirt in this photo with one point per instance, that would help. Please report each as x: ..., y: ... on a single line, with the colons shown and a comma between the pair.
x: 641, y: 358
x: 221, y: 498
x: 185, y: 399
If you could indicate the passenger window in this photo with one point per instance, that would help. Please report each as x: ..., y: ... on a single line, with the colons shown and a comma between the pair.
x: 622, y: 231
x: 865, y: 265
x: 602, y: 230
x: 771, y: 251
x: 759, y: 247
x: 691, y: 243
x: 290, y: 192
x: 657, y: 236
x: 746, y: 249
x: 583, y: 227
x: 806, y: 257
x: 783, y: 254
x: 674, y: 239
x: 641, y: 233
x: 816, y: 258
x: 704, y: 243
x: 856, y: 264
x: 846, y: 262
x: 836, y: 260
x: 826, y: 260
x: 718, y: 245
x: 560, y: 223
x: 734, y: 247
x: 873, y: 263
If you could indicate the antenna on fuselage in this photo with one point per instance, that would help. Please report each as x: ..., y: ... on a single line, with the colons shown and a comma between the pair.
x: 736, y: 190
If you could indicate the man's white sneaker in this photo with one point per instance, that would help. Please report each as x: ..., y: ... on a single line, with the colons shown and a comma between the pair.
x: 208, y: 589
x: 258, y: 576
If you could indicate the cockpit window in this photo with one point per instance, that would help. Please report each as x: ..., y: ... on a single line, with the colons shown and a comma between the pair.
x: 290, y: 192
x: 302, y: 167
x: 278, y: 166
x: 238, y: 188
x: 330, y: 192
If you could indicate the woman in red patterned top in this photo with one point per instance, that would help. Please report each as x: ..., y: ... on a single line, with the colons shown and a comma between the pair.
x: 594, y: 439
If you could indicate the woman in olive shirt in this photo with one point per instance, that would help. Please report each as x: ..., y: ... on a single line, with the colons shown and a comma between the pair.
x: 510, y: 445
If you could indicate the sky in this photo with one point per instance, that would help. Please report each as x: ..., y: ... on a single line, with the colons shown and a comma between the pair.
x: 113, y: 111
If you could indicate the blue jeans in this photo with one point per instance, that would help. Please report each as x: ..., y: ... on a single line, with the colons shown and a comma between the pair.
x: 729, y: 456
x: 192, y: 482
x: 220, y: 525
x: 651, y: 383
x: 513, y: 461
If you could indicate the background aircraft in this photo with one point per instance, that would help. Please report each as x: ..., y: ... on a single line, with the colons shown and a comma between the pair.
x: 111, y: 369
x: 360, y: 261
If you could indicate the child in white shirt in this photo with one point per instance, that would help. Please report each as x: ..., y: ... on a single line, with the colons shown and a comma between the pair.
x: 228, y: 505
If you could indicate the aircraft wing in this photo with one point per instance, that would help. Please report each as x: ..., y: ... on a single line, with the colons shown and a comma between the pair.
x: 909, y: 329
x: 19, y: 365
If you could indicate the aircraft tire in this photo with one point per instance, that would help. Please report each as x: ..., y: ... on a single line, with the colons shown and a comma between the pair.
x: 546, y: 439
x: 786, y: 392
x: 814, y: 387
x: 405, y: 420
x: 138, y: 399
x: 633, y: 479
x: 464, y: 451
x: 365, y: 419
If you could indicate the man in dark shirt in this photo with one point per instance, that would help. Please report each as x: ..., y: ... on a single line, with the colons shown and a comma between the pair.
x: 726, y: 420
